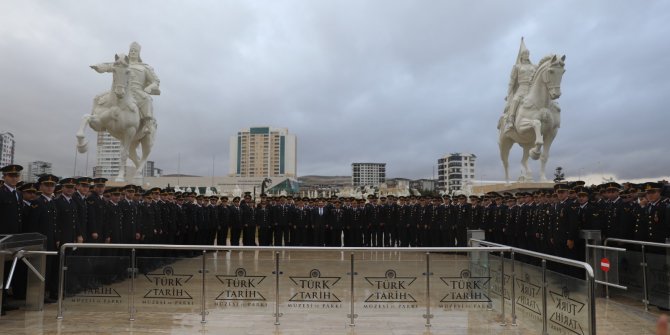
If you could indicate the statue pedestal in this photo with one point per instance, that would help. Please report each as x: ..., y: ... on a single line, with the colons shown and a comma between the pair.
x: 511, y: 187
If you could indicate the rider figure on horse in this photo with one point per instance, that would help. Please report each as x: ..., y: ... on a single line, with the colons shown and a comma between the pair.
x: 143, y: 83
x: 519, y: 84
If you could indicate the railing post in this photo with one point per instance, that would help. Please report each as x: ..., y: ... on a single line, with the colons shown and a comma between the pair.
x: 513, y: 297
x: 607, y: 287
x: 276, y: 272
x: 427, y: 316
x: 502, y: 287
x: 489, y: 306
x: 61, y: 284
x: 203, y: 292
x: 133, y: 270
x: 592, y: 302
x: 644, y: 280
x: 352, y: 313
x: 544, y: 297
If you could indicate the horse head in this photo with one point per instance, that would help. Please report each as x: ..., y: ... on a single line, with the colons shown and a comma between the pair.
x: 553, y: 75
x: 121, y: 75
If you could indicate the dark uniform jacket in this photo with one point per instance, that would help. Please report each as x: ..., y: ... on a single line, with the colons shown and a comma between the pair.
x: 67, y: 220
x: 11, y: 205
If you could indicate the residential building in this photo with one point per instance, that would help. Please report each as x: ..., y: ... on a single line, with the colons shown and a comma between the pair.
x: 35, y: 169
x: 7, y: 145
x: 455, y: 171
x: 108, y: 158
x: 150, y: 170
x: 368, y: 174
x: 263, y: 152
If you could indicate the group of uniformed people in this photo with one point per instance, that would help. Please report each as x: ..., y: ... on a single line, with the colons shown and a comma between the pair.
x: 84, y: 210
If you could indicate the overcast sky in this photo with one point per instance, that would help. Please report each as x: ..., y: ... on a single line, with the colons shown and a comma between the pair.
x: 400, y: 82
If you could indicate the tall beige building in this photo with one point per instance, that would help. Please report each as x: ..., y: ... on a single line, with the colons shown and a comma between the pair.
x: 108, y: 157
x: 263, y: 152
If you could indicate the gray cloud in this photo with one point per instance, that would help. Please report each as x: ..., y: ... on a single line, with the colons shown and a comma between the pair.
x: 401, y: 82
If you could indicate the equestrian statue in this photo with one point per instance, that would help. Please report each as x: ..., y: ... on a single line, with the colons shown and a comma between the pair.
x: 126, y: 111
x: 531, y: 117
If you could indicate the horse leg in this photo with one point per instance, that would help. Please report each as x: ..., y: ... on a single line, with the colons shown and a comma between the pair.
x: 147, y: 143
x: 505, y: 145
x: 125, y: 146
x: 132, y: 153
x: 545, y: 154
x: 82, y: 144
x: 527, y: 173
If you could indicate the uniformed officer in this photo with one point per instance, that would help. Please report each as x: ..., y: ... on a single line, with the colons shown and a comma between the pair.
x: 334, y: 225
x: 655, y: 224
x: 235, y: 222
x: 11, y: 201
x: 281, y: 216
x: 248, y: 221
x: 462, y: 217
x: 132, y: 230
x: 224, y: 222
x: 44, y: 219
x: 11, y: 211
x: 263, y: 221
x: 96, y: 212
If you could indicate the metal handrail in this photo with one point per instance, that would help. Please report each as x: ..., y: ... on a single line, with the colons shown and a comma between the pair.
x: 591, y: 280
x: 645, y: 243
x: 604, y: 247
x: 248, y: 248
x: 567, y: 261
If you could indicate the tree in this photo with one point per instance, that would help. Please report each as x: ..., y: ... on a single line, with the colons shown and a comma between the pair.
x: 559, y: 176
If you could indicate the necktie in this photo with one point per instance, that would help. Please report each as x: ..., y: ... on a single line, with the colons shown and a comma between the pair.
x: 15, y: 195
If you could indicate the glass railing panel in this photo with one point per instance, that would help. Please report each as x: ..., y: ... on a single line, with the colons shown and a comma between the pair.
x: 498, y: 288
x: 567, y: 302
x: 240, y: 283
x: 168, y: 284
x: 605, y: 264
x: 630, y: 274
x: 658, y: 277
x: 461, y: 290
x: 528, y: 295
x: 96, y: 283
x: 391, y: 285
x: 315, y: 287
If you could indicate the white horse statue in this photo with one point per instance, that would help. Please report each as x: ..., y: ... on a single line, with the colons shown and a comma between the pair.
x: 538, y: 118
x: 117, y: 113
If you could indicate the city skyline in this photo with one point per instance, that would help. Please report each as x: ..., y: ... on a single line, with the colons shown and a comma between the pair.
x: 401, y: 83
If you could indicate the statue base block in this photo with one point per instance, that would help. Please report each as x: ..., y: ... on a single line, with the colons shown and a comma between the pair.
x: 512, y: 187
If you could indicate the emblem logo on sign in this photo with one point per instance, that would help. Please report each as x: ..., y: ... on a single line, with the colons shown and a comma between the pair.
x: 390, y: 288
x: 168, y: 285
x: 566, y: 310
x: 315, y: 288
x: 466, y: 288
x: 240, y: 286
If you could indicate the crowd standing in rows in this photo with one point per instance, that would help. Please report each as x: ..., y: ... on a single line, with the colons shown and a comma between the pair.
x: 84, y: 210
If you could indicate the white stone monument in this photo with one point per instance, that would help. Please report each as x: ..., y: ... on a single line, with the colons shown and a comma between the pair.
x: 126, y: 111
x: 531, y: 117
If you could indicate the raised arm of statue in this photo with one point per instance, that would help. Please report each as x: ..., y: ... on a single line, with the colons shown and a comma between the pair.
x: 154, y: 83
x: 102, y: 67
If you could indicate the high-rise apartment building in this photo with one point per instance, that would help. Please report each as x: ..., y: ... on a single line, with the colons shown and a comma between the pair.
x: 455, y: 170
x: 7, y: 144
x: 35, y: 169
x: 108, y: 158
x: 263, y: 152
x: 368, y: 174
